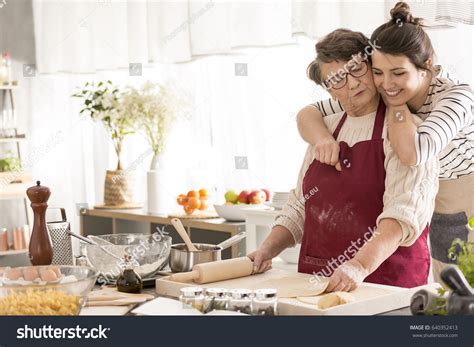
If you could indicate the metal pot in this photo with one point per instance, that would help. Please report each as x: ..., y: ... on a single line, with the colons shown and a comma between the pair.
x: 183, y: 260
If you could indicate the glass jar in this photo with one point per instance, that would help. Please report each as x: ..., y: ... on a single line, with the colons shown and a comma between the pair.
x: 192, y: 297
x: 216, y: 299
x: 129, y: 280
x: 3, y: 239
x: 264, y: 302
x: 81, y: 260
x: 240, y: 300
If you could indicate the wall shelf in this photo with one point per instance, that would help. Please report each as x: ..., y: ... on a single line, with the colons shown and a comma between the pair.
x: 13, y: 252
x: 18, y: 138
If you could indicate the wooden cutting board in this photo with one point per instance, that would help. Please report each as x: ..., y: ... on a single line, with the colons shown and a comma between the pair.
x: 370, y: 299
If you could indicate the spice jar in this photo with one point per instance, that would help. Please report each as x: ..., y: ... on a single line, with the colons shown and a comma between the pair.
x: 264, y: 302
x: 240, y: 300
x: 216, y: 299
x: 192, y: 297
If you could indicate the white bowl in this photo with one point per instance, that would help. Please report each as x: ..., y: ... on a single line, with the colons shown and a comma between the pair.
x: 235, y: 213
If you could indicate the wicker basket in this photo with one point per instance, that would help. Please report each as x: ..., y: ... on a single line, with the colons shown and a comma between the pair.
x: 119, y: 188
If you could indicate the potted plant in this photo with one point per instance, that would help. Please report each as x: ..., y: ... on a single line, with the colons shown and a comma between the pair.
x: 154, y: 108
x: 102, y: 103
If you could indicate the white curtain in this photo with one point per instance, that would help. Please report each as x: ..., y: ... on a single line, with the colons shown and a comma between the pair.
x: 86, y: 36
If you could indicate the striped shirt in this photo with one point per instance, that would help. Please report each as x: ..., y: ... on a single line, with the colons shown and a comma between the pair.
x: 447, y: 130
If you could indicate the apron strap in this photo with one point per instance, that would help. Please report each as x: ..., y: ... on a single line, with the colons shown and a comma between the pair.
x: 379, y: 120
x: 339, y: 126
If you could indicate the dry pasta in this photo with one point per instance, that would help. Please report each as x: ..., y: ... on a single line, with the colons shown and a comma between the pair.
x: 40, y: 303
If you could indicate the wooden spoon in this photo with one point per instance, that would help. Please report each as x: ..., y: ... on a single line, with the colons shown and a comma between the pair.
x: 184, y: 235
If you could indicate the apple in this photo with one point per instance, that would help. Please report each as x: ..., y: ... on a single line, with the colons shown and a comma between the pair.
x: 244, y: 196
x: 231, y: 196
x: 267, y: 194
x: 257, y: 197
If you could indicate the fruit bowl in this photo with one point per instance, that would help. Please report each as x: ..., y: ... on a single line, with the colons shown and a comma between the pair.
x: 235, y: 213
x: 45, y: 290
x: 149, y: 253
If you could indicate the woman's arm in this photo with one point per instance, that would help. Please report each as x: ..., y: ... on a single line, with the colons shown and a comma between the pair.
x: 383, y: 243
x: 313, y: 130
x: 279, y: 239
x: 402, y: 132
x: 311, y: 125
x: 451, y: 113
x: 310, y: 120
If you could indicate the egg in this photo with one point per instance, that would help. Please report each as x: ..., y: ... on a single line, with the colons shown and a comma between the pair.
x: 14, y: 274
x: 49, y: 275
x: 30, y: 274
x: 56, y: 271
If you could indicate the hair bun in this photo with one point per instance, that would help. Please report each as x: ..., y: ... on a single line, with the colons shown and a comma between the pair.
x: 401, y: 14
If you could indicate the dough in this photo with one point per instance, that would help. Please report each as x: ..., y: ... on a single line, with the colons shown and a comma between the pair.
x: 292, y: 287
x: 334, y: 299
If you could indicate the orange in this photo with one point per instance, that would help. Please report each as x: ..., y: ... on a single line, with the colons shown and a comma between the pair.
x: 182, y: 199
x: 203, y: 204
x: 188, y: 209
x: 202, y: 193
x: 194, y: 202
x: 193, y: 194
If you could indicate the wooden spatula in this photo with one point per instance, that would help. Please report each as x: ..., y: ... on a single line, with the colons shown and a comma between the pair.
x: 184, y: 235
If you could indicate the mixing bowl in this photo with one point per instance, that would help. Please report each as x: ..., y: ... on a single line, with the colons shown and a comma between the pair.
x: 149, y: 254
x: 45, y: 290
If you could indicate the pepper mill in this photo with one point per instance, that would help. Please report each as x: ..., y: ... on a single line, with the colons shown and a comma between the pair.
x: 41, y: 249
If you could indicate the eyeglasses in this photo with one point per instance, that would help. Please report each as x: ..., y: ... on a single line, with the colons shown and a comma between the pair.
x: 339, y: 80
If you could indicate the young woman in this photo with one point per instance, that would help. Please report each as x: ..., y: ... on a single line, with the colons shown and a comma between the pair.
x: 363, y: 223
x: 402, y: 66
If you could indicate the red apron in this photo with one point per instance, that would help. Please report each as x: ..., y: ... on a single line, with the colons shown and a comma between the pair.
x: 341, y: 210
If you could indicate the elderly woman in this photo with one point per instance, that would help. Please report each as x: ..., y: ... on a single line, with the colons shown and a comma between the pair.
x: 368, y: 221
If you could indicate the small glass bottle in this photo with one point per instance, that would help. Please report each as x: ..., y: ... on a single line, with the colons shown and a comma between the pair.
x: 129, y: 281
x: 264, y: 302
x: 192, y: 297
x: 81, y: 260
x: 216, y: 299
x: 240, y: 300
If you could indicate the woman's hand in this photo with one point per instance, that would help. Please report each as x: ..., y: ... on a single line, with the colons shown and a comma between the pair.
x: 347, y: 277
x: 262, y: 260
x: 326, y: 151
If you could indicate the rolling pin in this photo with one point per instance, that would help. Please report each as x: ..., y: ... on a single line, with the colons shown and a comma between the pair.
x: 216, y: 271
